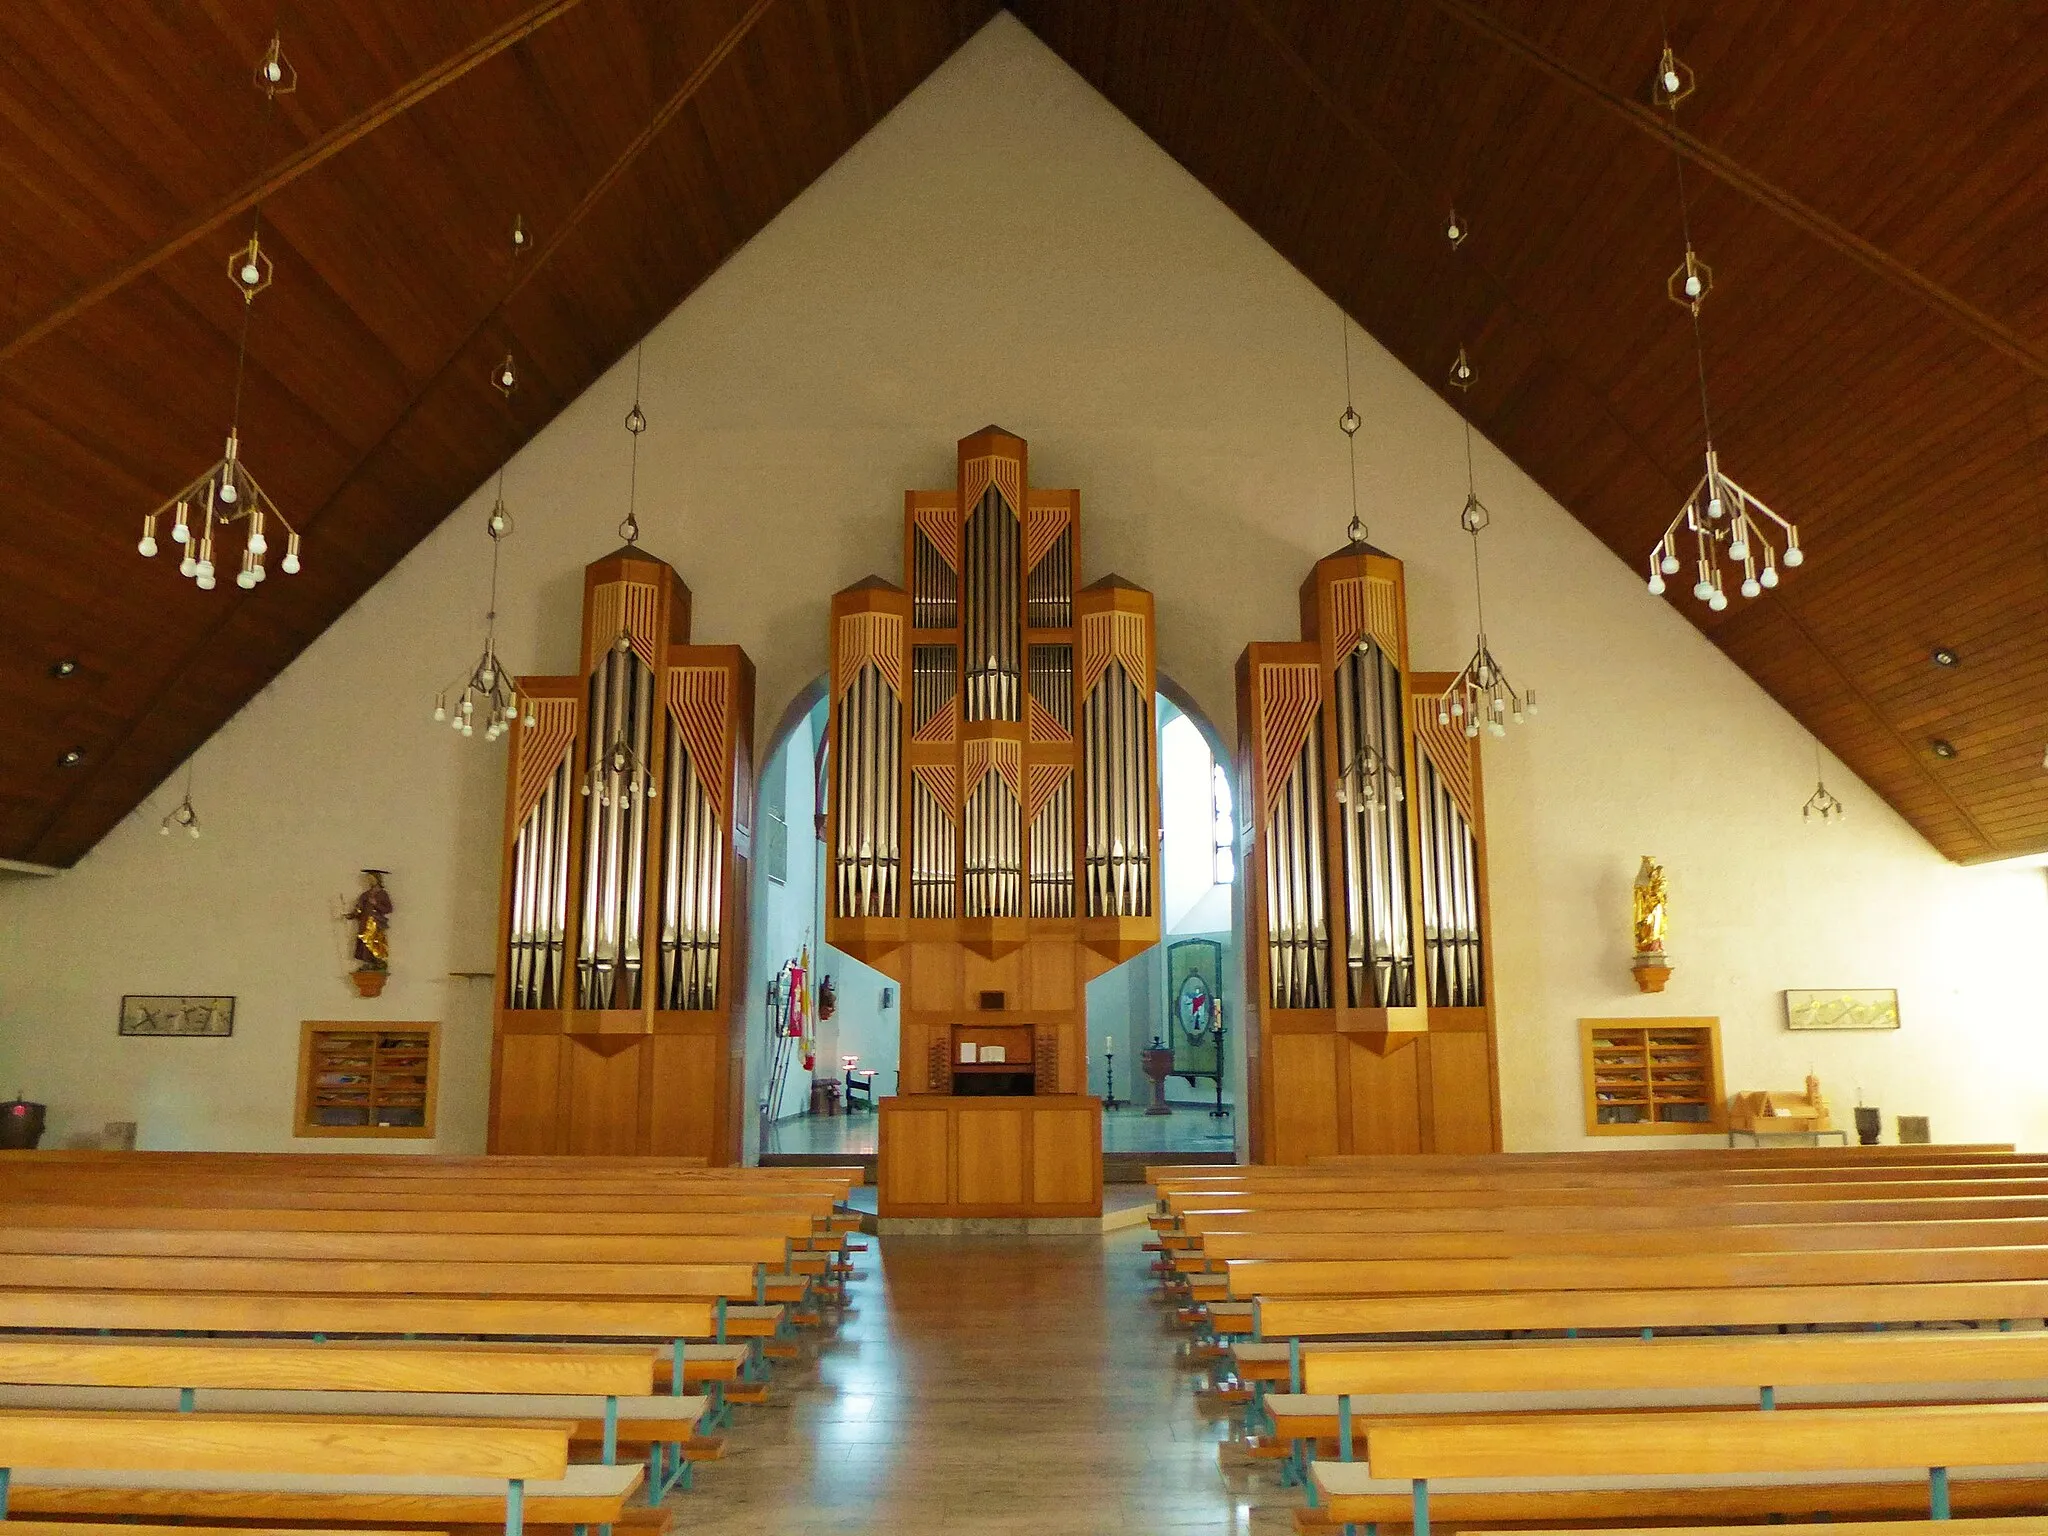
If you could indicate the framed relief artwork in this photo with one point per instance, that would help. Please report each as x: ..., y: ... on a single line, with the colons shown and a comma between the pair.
x: 205, y: 1018
x: 1843, y: 1008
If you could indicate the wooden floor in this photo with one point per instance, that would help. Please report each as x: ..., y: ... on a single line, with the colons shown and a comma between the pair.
x: 986, y: 1385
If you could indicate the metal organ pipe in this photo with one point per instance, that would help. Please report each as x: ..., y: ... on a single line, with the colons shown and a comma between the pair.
x: 991, y: 554
x: 693, y: 845
x: 1371, y: 770
x: 1297, y: 927
x: 540, y: 892
x: 867, y: 857
x: 1050, y: 595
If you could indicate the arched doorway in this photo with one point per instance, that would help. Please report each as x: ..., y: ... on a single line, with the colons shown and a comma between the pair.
x: 1159, y: 994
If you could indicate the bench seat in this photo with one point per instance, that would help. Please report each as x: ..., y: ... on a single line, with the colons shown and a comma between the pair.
x: 585, y: 1495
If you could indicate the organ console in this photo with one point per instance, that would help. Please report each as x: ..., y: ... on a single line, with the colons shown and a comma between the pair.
x: 1367, y: 958
x: 618, y: 1024
x: 992, y: 831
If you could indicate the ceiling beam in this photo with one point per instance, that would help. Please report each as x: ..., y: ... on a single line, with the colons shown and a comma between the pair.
x: 291, y: 168
x: 1759, y: 189
x: 196, y: 654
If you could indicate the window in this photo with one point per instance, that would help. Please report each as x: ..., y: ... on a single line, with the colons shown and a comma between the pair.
x: 775, y: 819
x: 1223, y: 825
x: 367, y: 1079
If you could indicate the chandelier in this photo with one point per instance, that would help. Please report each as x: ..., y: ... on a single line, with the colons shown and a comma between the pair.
x: 1480, y: 695
x: 182, y: 816
x: 1820, y: 803
x: 1367, y: 777
x: 1718, y: 518
x: 489, y: 689
x: 226, y: 492
x: 617, y: 776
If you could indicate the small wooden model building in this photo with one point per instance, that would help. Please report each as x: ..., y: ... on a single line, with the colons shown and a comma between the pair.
x: 1781, y: 1110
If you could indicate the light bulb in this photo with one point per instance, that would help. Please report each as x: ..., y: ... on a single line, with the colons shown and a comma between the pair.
x: 227, y: 491
x: 1458, y: 707
x: 1714, y: 508
x: 204, y: 570
x: 290, y: 562
x: 1751, y: 587
x: 258, y: 572
x: 1500, y: 706
x: 245, y: 579
x: 1668, y: 565
x: 1518, y: 717
x: 1739, y: 550
x: 188, y: 567
x: 273, y: 71
x: 455, y: 722
x: 258, y: 544
x: 469, y: 706
x: 1795, y: 556
x: 1718, y: 601
x: 487, y: 677
x: 164, y: 830
x: 1496, y: 727
x: 193, y: 830
x: 1703, y: 590
x: 1671, y: 82
x: 1656, y: 586
x: 1692, y: 286
x: 532, y: 718
x: 250, y: 274
x: 440, y: 711
x: 1529, y: 702
x: 180, y: 533
x: 497, y: 522
x: 204, y: 580
x: 148, y: 545
x: 468, y: 730
x: 1471, y: 727
x: 511, y: 711
x: 1443, y: 716
x: 1769, y: 577
x: 1452, y: 232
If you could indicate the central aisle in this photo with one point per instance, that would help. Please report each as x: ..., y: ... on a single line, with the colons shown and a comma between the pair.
x: 1005, y: 1385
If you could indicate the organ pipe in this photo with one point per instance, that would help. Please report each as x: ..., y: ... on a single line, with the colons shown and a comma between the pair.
x: 618, y: 746
x: 870, y: 748
x: 932, y: 845
x: 934, y: 586
x: 1117, y: 762
x: 693, y: 839
x: 1380, y: 951
x: 1452, y: 955
x: 1049, y: 602
x: 992, y: 634
x: 1052, y: 682
x: 540, y: 896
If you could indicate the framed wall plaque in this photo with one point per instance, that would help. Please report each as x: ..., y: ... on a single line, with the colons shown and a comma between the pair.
x: 1842, y: 1008
x: 199, y: 1018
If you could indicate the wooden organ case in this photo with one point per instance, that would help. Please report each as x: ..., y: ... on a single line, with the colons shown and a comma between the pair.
x: 1367, y: 949
x: 622, y: 922
x: 992, y: 832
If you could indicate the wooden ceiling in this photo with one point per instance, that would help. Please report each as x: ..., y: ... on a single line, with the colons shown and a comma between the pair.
x: 1870, y: 184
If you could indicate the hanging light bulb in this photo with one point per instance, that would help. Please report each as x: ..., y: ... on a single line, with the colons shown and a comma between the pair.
x: 519, y: 235
x: 1724, y: 520
x: 1820, y: 803
x: 505, y: 377
x: 488, y: 685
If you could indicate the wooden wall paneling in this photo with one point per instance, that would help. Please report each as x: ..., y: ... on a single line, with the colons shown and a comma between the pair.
x: 1066, y: 1157
x: 1385, y: 1097
x: 1302, y: 1069
x: 1461, y: 1091
x: 923, y: 1174
x: 604, y: 1117
x: 526, y: 1088
x: 683, y: 1118
x: 992, y: 1157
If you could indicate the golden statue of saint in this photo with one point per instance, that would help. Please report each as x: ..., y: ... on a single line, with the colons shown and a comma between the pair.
x: 1651, y: 908
x: 371, y: 919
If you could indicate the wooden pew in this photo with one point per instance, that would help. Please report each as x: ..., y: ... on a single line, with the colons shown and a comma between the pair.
x: 273, y: 1277
x: 1984, y: 1458
x: 1337, y: 1386
x: 608, y: 1394
x: 113, y: 1464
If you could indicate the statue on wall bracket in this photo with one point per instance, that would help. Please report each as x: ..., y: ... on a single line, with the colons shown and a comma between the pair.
x: 1650, y: 905
x: 371, y: 919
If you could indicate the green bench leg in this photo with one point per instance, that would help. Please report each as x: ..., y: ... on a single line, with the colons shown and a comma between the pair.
x: 1937, y: 1493
x: 1767, y: 1398
x: 185, y: 1399
x: 515, y: 1506
x: 5, y: 1473
x: 611, y: 1431
x: 1421, y: 1506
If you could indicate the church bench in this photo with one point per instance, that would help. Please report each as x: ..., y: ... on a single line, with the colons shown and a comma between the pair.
x: 1985, y: 1525
x: 468, y: 1247
x: 1335, y: 1386
x: 1952, y: 1184
x: 1703, y: 1270
x: 1622, y: 1466
x: 1636, y: 1212
x: 1624, y: 1311
x: 277, y: 1277
x: 20, y: 1527
x: 123, y: 1463
x: 797, y: 1227
x: 1620, y: 1157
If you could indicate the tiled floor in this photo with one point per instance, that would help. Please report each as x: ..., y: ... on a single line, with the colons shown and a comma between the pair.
x: 1187, y: 1129
x: 1014, y: 1387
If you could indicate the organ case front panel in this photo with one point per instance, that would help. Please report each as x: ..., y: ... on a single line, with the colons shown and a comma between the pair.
x: 629, y: 812
x: 992, y: 811
x: 1369, y: 1021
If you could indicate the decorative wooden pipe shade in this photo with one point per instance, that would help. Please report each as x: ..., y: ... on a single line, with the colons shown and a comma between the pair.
x: 992, y: 822
x: 1368, y: 1006
x: 623, y: 917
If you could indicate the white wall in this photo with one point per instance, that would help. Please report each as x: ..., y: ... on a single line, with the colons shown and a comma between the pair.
x: 1006, y: 248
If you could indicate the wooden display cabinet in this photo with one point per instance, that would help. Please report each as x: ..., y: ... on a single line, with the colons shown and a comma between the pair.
x: 1653, y: 1077
x: 358, y: 1079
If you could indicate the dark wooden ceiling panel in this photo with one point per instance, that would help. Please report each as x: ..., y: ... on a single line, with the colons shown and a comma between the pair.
x: 1868, y: 180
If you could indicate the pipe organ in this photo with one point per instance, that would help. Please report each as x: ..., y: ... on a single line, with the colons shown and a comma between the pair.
x: 1369, y: 1022
x: 628, y: 823
x: 992, y: 830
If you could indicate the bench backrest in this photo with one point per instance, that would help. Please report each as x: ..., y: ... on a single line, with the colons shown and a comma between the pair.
x: 503, y: 1317
x: 1672, y: 1444
x: 1781, y: 1237
x: 1644, y: 1192
x: 1593, y: 1365
x: 1703, y: 1270
x: 260, y: 1277
x: 796, y: 1225
x: 207, y: 1442
x: 409, y: 1247
x: 279, y: 1366
x: 1740, y: 1307
x: 1678, y: 1214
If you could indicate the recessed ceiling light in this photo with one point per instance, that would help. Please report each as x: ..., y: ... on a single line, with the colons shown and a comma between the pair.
x: 1942, y: 748
x: 71, y: 757
x: 64, y: 666
x: 1944, y: 657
